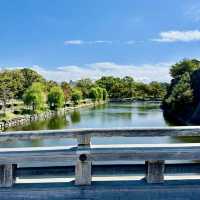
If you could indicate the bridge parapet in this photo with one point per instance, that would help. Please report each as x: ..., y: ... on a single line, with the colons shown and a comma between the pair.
x: 85, y: 160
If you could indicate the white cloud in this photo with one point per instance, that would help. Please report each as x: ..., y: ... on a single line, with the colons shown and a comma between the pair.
x: 146, y: 72
x: 73, y: 42
x: 179, y: 36
x: 80, y: 42
x: 101, y: 42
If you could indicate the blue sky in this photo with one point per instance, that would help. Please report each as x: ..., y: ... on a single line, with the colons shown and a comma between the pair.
x: 72, y: 39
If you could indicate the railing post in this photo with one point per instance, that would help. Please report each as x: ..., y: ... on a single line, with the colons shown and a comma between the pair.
x: 7, y: 175
x: 155, y: 171
x: 83, y: 169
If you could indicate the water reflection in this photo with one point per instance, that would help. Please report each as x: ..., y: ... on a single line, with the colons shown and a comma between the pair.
x: 75, y: 116
x: 57, y: 122
x: 191, y: 139
x: 137, y: 114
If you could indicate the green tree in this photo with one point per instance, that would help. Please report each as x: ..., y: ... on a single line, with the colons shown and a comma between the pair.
x: 142, y: 90
x: 117, y: 90
x: 157, y: 90
x: 99, y: 93
x: 67, y: 90
x: 76, y: 96
x: 50, y: 84
x: 128, y: 87
x: 85, y: 85
x: 35, y: 97
x: 184, y: 66
x: 17, y: 81
x: 12, y: 80
x: 93, y: 94
x: 181, y: 94
x: 29, y: 77
x: 56, y: 98
x: 108, y: 82
x: 105, y: 94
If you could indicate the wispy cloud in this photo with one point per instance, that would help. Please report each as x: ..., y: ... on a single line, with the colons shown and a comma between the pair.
x: 101, y: 42
x: 81, y: 42
x: 179, y: 36
x: 73, y: 42
x: 145, y: 72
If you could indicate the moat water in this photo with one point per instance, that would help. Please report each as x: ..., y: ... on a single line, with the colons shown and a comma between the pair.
x: 137, y: 114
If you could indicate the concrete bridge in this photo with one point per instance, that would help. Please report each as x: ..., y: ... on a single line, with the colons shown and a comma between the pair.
x: 85, y: 171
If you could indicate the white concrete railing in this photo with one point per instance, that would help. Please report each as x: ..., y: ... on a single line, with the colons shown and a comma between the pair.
x: 84, y: 155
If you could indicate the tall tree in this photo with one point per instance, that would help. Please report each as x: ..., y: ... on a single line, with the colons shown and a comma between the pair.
x: 85, y: 85
x: 76, y: 96
x: 67, y: 90
x: 93, y: 94
x: 184, y: 66
x: 56, y: 98
x: 35, y: 97
x: 181, y: 94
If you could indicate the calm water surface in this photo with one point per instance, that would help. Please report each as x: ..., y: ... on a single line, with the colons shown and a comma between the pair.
x: 138, y: 114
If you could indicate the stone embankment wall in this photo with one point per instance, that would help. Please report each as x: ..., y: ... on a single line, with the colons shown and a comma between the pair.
x: 26, y: 119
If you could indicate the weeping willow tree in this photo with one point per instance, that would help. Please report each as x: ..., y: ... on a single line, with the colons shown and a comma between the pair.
x: 35, y: 97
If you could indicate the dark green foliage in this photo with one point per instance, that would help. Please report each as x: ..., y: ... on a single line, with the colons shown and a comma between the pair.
x: 30, y: 76
x: 50, y: 84
x: 17, y: 81
x: 85, y: 85
x: 180, y: 94
x: 157, y: 90
x: 128, y: 88
x: 107, y: 82
x: 11, y: 84
x: 105, y: 94
x: 183, y: 66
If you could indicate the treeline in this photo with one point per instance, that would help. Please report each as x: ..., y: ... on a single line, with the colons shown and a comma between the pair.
x: 183, y: 94
x: 37, y: 93
x: 127, y: 87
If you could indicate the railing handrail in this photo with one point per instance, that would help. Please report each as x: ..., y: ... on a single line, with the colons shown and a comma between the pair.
x: 84, y: 154
x: 104, y: 132
x: 57, y: 155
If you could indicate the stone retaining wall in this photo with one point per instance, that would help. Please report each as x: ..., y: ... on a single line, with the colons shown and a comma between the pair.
x: 26, y: 119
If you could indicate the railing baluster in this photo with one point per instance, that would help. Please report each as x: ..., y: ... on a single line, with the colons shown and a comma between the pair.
x: 83, y: 167
x: 7, y: 175
x: 155, y: 171
x: 84, y: 140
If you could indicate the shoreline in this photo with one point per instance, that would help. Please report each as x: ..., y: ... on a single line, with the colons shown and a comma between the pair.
x: 27, y: 119
x: 129, y: 100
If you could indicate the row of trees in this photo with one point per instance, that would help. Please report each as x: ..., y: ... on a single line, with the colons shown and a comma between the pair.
x: 37, y: 93
x: 127, y: 87
x: 37, y: 96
